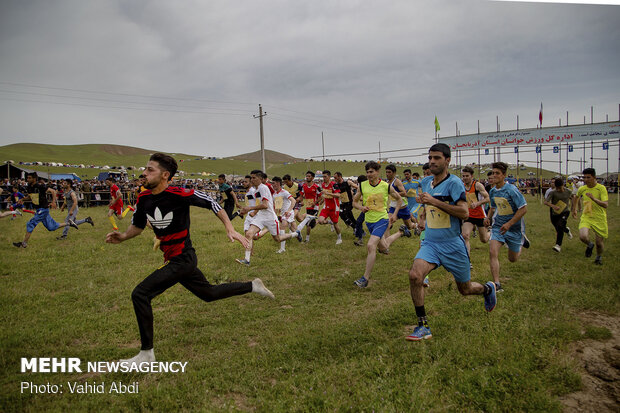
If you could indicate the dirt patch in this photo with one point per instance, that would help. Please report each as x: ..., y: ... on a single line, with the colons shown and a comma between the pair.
x: 600, y: 360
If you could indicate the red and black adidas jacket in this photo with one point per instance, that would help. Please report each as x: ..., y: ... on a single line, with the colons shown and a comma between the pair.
x: 168, y: 213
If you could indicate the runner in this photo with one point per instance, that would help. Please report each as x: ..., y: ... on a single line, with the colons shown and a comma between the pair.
x: 412, y: 185
x: 115, y: 207
x: 71, y: 203
x: 309, y: 195
x: 228, y: 196
x: 403, y: 213
x: 330, y: 194
x: 346, y: 199
x: 37, y: 195
x: 283, y: 203
x: 508, y: 207
x: 167, y: 208
x: 558, y: 201
x: 373, y: 194
x: 594, y: 199
x: 445, y: 205
x: 293, y: 189
x: 477, y: 196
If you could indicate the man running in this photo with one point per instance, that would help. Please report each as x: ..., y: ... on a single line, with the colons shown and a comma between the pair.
x: 476, y: 196
x: 346, y: 199
x: 309, y: 195
x: 412, y: 185
x: 374, y: 194
x: 403, y: 213
x: 594, y: 199
x: 37, y: 195
x: 558, y: 202
x: 167, y: 208
x: 293, y: 189
x: 445, y: 206
x: 508, y: 207
x: 330, y: 194
x: 115, y: 207
x: 229, y: 197
x: 71, y: 203
x: 283, y: 203
x: 265, y: 216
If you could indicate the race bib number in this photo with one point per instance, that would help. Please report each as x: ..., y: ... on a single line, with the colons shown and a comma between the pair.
x: 327, y: 194
x: 587, y: 205
x: 562, y: 206
x: 375, y: 203
x: 35, y: 198
x: 411, y: 193
x: 344, y: 197
x: 471, y: 198
x: 503, y: 206
x: 309, y: 203
x: 436, y: 218
x: 278, y: 202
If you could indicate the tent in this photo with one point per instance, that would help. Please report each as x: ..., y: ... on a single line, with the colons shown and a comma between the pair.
x: 12, y: 172
x: 56, y: 177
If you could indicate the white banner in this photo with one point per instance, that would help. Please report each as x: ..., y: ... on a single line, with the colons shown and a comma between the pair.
x: 528, y: 137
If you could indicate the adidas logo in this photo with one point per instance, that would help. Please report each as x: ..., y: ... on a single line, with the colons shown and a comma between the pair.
x: 158, y: 221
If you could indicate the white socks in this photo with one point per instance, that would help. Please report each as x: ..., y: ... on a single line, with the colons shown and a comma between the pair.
x: 283, y: 243
x: 259, y: 288
x: 144, y: 356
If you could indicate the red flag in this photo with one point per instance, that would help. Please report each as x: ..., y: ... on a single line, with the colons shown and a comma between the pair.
x: 540, y: 115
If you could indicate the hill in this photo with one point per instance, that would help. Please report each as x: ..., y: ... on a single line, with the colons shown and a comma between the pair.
x: 270, y: 157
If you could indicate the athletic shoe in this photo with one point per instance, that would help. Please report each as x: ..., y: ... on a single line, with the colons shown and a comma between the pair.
x: 358, y: 242
x: 498, y: 288
x: 386, y: 251
x: 243, y: 262
x: 589, y: 250
x: 361, y: 282
x: 405, y: 231
x: 73, y: 224
x: 419, y: 333
x: 490, y: 299
x: 19, y: 245
x: 598, y: 261
x: 299, y: 236
x: 259, y: 288
x: 18, y: 212
x: 427, y: 282
x: 526, y: 242
x: 569, y: 233
x: 339, y: 241
x: 60, y: 238
x: 474, y: 233
x: 557, y: 248
x: 89, y: 220
x: 280, y: 251
x: 234, y: 215
x: 417, y: 231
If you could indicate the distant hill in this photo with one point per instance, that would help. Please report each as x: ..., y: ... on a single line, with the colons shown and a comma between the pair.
x: 270, y: 157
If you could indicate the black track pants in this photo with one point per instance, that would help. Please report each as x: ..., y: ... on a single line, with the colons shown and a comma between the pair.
x: 180, y: 269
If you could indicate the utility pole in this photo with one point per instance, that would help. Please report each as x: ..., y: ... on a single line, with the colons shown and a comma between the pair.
x: 262, y: 136
x: 323, y: 144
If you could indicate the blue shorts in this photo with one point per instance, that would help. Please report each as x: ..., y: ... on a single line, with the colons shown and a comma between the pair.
x: 403, y: 213
x: 414, y: 210
x: 452, y: 254
x: 514, y: 240
x: 378, y: 228
x: 42, y: 215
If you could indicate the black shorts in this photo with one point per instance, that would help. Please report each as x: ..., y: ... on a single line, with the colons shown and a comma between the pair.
x: 479, y: 222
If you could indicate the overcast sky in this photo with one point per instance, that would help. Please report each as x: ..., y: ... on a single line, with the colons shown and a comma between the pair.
x: 188, y: 76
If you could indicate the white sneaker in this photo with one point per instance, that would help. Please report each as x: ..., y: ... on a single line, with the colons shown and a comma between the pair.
x: 144, y: 356
x: 557, y: 248
x: 339, y: 241
x: 280, y: 251
x: 569, y: 233
x: 259, y: 288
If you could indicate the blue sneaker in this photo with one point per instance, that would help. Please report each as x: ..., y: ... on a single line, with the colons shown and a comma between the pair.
x: 427, y: 282
x: 299, y: 237
x: 490, y: 299
x: 406, y: 232
x: 419, y: 333
x: 361, y: 282
x: 243, y: 262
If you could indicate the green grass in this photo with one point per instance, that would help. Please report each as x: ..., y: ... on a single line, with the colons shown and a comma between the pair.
x: 323, y: 344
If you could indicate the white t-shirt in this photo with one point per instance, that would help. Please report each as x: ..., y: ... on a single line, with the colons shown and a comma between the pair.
x: 282, y: 201
x: 263, y: 192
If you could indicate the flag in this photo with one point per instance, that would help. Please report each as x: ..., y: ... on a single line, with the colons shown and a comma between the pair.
x: 540, y: 115
x: 436, y: 124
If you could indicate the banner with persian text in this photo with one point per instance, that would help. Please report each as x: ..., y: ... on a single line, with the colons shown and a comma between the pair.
x: 526, y: 137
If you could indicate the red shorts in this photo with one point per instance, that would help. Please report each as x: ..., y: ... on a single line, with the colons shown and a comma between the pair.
x: 117, y: 208
x: 331, y: 214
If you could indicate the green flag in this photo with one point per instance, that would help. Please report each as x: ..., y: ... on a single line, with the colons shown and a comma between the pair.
x: 436, y: 124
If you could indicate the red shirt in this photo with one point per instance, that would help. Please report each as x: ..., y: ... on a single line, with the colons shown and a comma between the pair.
x: 331, y: 203
x: 113, y: 190
x: 311, y: 194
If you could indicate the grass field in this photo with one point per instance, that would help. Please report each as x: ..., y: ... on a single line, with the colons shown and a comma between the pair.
x: 322, y: 345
